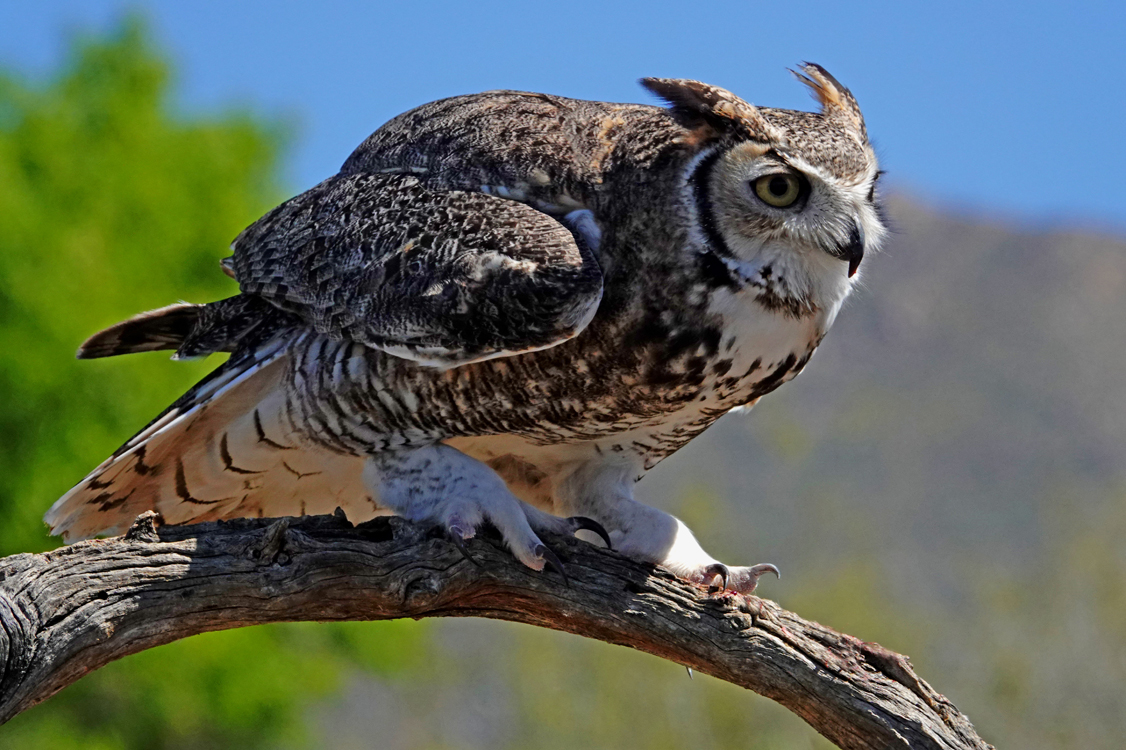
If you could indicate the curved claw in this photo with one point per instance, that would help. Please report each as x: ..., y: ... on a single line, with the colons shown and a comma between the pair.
x: 718, y: 569
x: 550, y: 560
x: 455, y: 536
x: 758, y: 570
x: 582, y: 522
x: 749, y: 579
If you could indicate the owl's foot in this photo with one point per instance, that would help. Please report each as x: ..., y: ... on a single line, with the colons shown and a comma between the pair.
x: 459, y: 531
x: 691, y: 563
x: 440, y: 485
x: 742, y: 579
x: 651, y: 535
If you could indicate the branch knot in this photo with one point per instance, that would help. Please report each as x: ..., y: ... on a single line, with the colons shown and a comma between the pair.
x: 144, y: 527
x: 269, y: 549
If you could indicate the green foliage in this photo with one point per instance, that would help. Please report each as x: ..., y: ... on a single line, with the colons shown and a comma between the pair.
x: 109, y: 205
x: 243, y: 688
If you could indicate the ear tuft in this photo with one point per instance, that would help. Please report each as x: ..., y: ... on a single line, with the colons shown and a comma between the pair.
x: 719, y: 107
x: 836, y: 101
x: 686, y: 94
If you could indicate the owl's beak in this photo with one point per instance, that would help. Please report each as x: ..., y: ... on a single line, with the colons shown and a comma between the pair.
x: 851, y: 251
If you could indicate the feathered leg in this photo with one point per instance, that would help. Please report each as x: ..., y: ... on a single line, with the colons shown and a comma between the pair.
x: 442, y: 485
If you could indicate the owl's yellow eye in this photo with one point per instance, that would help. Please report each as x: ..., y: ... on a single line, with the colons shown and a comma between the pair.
x: 778, y: 190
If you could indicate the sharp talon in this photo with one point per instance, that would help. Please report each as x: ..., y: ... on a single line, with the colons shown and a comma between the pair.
x: 718, y: 569
x: 582, y: 522
x: 459, y: 542
x: 758, y: 570
x: 551, y: 561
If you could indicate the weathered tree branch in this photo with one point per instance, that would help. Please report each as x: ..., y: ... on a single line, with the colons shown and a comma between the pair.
x: 67, y: 612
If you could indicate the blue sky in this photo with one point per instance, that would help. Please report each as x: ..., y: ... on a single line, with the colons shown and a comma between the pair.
x: 1010, y: 108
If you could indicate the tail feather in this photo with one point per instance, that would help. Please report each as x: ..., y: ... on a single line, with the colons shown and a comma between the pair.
x: 165, y: 328
x: 191, y: 330
x: 225, y: 449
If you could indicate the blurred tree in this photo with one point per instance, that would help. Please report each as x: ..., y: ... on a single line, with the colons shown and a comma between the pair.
x: 110, y: 205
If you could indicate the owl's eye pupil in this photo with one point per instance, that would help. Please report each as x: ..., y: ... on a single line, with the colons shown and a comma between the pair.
x: 778, y: 190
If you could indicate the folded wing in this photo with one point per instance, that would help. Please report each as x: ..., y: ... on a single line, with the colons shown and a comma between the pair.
x: 437, y: 276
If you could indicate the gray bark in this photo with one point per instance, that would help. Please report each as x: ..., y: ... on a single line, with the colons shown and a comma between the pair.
x: 65, y: 613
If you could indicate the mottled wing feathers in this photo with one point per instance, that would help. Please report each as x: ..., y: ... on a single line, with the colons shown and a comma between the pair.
x: 554, y: 153
x: 223, y: 326
x: 443, y: 277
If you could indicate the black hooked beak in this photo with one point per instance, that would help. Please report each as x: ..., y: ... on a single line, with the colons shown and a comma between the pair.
x: 852, y: 250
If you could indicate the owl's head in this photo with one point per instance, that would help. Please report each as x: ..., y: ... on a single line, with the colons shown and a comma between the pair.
x: 781, y: 190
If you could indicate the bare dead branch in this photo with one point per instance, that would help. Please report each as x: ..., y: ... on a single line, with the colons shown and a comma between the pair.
x: 68, y: 612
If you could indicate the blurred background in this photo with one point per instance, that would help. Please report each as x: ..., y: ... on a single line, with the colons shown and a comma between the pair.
x: 946, y: 478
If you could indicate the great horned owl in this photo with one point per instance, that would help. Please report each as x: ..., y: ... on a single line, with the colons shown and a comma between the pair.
x: 507, y: 307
